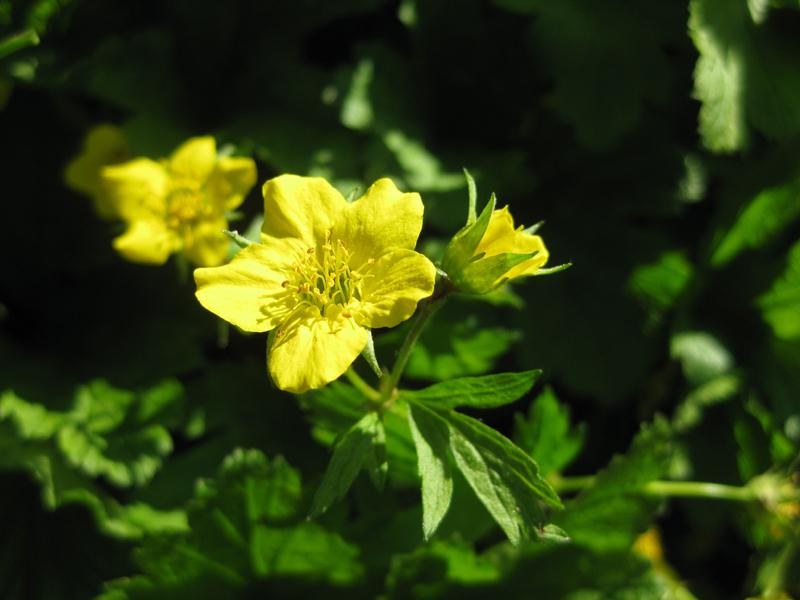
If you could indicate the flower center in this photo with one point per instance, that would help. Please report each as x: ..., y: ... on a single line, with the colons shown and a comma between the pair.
x: 323, y: 278
x: 186, y: 205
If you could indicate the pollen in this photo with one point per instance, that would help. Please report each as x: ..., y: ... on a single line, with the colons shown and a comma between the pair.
x: 323, y: 277
x: 186, y: 205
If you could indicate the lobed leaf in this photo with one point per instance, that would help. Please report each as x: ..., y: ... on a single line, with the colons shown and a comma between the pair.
x: 780, y: 305
x: 761, y: 220
x: 486, y: 391
x: 610, y: 514
x: 546, y: 434
x: 503, y: 477
x: 431, y: 439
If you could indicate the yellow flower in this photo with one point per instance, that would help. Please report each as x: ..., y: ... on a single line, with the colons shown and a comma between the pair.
x: 179, y: 203
x: 103, y: 145
x: 490, y: 251
x: 501, y: 237
x: 324, y: 273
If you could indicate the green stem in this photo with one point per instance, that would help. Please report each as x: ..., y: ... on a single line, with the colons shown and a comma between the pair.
x: 667, y: 489
x: 427, y: 309
x: 362, y: 386
x: 698, y: 489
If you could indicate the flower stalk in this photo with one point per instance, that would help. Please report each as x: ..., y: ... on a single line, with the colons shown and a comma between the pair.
x: 427, y: 308
x: 676, y: 489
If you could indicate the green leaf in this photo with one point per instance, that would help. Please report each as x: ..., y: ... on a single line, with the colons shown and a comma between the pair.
x: 469, y: 347
x: 356, y: 111
x: 27, y: 433
x: 422, y: 169
x: 759, y: 222
x: 568, y: 571
x: 504, y: 478
x: 31, y: 421
x: 247, y: 524
x: 108, y: 432
x: 745, y: 74
x: 432, y: 570
x: 431, y: 438
x: 780, y: 305
x: 350, y: 455
x: 714, y: 391
x: 546, y: 434
x: 658, y: 285
x: 96, y: 439
x: 18, y: 41
x: 758, y: 10
x: 337, y: 407
x: 486, y: 391
x: 305, y: 551
x: 610, y: 514
x: 718, y: 80
x: 702, y: 356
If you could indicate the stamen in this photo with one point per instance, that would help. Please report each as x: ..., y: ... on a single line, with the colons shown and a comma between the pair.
x: 322, y: 277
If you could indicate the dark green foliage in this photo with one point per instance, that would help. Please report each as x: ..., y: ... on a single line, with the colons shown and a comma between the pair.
x: 659, y: 141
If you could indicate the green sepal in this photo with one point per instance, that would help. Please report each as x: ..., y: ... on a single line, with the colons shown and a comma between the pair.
x: 552, y: 270
x: 461, y: 248
x: 369, y: 355
x: 472, y: 197
x: 486, y: 274
x: 237, y: 238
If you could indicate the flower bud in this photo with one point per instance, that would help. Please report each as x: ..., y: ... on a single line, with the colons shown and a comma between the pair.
x: 489, y: 251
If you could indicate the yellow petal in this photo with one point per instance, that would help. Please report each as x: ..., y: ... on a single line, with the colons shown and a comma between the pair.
x: 393, y: 286
x: 137, y: 189
x: 205, y: 245
x: 300, y: 207
x: 194, y: 159
x: 247, y: 291
x: 148, y: 242
x: 501, y: 237
x: 311, y: 350
x: 104, y: 145
x: 230, y: 181
x: 383, y: 218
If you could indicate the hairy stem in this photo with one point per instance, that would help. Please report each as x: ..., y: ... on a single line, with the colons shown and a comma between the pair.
x: 427, y: 308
